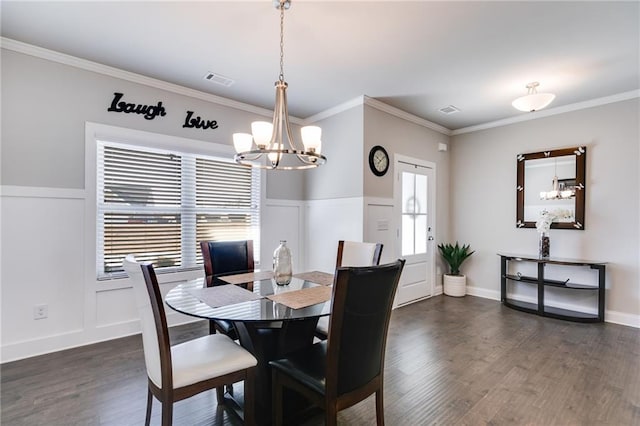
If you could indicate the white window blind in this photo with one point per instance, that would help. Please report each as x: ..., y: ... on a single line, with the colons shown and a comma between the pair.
x: 159, y: 205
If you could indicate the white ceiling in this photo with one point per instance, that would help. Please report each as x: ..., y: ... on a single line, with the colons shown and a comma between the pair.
x: 418, y: 56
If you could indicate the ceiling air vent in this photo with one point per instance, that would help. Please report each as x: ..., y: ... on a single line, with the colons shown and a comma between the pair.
x: 219, y: 79
x: 449, y: 110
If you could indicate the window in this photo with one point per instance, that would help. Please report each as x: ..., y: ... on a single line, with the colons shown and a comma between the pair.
x: 414, y: 213
x: 159, y: 204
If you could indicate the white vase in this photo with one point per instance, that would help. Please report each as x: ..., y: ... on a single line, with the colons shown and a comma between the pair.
x: 454, y: 285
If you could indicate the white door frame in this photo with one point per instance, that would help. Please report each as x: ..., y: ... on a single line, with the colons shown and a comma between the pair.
x: 397, y: 190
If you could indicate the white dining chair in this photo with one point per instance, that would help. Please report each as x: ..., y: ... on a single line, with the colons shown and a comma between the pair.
x: 351, y: 254
x: 181, y: 371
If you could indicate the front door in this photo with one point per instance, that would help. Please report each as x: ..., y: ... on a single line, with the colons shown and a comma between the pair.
x: 414, y: 194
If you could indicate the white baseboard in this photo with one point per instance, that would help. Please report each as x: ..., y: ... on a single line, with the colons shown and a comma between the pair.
x: 613, y: 317
x: 483, y: 292
x: 622, y: 318
x: 60, y: 342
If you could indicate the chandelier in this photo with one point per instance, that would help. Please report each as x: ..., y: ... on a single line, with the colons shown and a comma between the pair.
x: 533, y: 100
x: 271, y: 145
x: 557, y: 192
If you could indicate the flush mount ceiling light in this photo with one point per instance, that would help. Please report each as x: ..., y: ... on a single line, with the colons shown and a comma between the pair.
x: 533, y: 101
x: 271, y: 145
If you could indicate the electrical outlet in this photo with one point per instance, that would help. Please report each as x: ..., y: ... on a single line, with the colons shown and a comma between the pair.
x: 40, y: 311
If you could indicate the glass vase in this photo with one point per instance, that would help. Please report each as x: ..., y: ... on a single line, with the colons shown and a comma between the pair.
x: 543, y: 245
x: 282, y: 265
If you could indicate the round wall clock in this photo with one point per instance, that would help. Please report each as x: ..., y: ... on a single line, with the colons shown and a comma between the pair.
x: 378, y: 160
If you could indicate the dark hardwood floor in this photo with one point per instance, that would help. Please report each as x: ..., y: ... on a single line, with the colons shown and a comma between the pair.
x: 450, y: 361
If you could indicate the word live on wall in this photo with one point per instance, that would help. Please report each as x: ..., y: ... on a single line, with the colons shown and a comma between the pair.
x: 152, y: 111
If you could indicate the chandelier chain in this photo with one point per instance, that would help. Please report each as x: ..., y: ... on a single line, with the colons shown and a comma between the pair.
x: 279, y: 150
x: 281, y: 77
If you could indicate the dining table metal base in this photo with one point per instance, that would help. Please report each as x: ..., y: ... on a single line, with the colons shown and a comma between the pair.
x: 268, y: 341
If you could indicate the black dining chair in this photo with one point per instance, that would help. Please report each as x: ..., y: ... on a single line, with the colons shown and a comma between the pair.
x: 348, y: 367
x: 225, y: 258
x: 186, y: 369
x: 351, y: 253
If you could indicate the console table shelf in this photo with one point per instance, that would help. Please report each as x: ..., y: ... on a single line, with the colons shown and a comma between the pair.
x: 541, y: 282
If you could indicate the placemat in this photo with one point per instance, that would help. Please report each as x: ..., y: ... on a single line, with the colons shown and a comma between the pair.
x: 302, y: 298
x: 317, y: 277
x: 223, y: 295
x: 247, y: 277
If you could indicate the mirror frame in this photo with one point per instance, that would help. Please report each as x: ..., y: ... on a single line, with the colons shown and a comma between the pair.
x: 580, y: 153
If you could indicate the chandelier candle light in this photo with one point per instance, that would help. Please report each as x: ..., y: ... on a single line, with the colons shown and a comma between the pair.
x: 271, y: 151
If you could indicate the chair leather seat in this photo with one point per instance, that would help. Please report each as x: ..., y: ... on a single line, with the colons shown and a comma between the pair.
x: 323, y: 325
x: 307, y: 366
x: 227, y: 328
x: 207, y: 357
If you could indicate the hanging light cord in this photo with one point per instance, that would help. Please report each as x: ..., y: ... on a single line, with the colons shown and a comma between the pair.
x: 281, y: 78
x: 276, y: 149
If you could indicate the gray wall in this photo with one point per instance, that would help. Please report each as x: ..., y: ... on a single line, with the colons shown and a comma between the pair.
x: 45, y: 106
x: 484, y: 197
x: 341, y: 176
x: 399, y: 136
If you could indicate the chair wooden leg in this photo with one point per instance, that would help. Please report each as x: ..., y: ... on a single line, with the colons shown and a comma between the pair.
x: 276, y: 392
x: 167, y: 413
x: 330, y: 414
x: 249, y: 398
x: 147, y: 420
x: 379, y: 408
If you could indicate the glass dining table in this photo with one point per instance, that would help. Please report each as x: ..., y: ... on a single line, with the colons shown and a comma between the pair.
x: 262, y: 313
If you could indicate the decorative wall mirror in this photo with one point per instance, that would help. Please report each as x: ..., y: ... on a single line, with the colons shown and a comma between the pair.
x: 553, y: 181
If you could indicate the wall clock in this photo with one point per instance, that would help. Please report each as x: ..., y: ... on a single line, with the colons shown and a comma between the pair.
x: 378, y: 160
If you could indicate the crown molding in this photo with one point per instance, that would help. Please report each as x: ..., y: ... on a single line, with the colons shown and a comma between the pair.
x: 51, y: 55
x: 62, y: 58
x: 549, y: 112
x: 374, y: 103
x: 334, y: 110
x: 379, y: 105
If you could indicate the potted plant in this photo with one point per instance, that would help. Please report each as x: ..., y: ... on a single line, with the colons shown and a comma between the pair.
x: 455, y: 284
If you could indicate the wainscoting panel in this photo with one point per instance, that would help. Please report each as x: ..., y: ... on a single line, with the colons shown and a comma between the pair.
x: 329, y: 221
x: 379, y: 226
x: 42, y: 264
x: 115, y: 306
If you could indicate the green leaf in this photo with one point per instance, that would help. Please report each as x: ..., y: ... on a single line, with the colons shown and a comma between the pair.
x: 454, y: 255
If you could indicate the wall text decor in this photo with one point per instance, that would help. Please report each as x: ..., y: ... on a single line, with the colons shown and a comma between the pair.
x: 149, y: 111
x: 199, y: 123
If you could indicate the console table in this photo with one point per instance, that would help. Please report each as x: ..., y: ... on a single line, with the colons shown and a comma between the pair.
x: 540, y: 308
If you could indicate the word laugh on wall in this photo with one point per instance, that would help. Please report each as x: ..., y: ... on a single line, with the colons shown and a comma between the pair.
x: 149, y: 112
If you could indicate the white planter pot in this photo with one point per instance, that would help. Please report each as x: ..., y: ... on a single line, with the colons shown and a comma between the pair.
x: 454, y: 285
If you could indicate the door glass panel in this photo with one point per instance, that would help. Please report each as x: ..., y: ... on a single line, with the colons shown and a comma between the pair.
x: 414, y: 213
x: 421, y: 194
x: 407, y: 235
x: 408, y: 192
x: 420, y: 234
